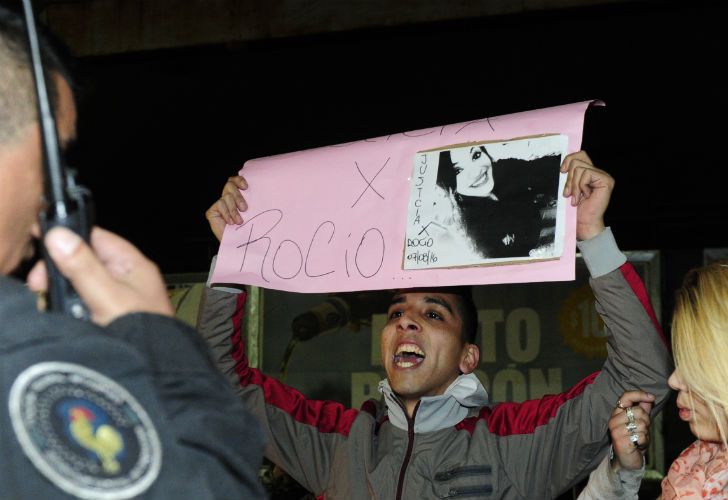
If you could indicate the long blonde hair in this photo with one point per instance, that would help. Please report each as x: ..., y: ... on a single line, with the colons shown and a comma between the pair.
x: 700, y: 338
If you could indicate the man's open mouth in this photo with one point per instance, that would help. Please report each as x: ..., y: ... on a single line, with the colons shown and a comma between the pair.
x: 408, y: 355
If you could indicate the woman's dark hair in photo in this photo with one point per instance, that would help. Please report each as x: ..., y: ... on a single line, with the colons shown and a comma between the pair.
x: 446, y: 174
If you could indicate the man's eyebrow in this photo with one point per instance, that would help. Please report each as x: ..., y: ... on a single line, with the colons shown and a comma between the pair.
x: 471, y: 149
x: 440, y: 302
x: 429, y: 299
x: 397, y: 299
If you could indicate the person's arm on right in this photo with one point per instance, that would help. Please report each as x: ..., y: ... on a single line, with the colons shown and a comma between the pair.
x: 301, y: 434
x: 619, y: 475
x: 567, y: 433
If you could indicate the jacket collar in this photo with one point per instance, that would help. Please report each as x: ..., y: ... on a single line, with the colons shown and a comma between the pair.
x: 15, y: 294
x: 437, y: 412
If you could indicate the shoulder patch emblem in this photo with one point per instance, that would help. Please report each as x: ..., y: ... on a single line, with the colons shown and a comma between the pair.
x: 84, y: 432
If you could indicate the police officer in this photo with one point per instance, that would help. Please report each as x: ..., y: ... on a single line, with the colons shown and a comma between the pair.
x: 128, y: 405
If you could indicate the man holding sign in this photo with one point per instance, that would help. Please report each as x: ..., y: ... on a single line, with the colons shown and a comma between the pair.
x: 435, y: 435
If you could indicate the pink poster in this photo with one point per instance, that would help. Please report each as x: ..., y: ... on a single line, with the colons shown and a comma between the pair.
x: 364, y: 215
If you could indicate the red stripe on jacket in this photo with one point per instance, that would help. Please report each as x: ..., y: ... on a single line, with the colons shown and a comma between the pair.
x: 503, y: 419
x: 507, y: 419
x: 638, y: 287
x: 326, y: 416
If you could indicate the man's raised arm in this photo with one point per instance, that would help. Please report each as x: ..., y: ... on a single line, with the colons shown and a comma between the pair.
x: 566, y: 434
x: 301, y: 434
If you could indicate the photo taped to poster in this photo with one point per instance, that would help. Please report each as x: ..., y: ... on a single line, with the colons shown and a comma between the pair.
x: 487, y: 203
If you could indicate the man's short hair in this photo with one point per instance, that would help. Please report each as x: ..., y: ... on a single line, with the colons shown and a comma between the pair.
x: 465, y: 308
x: 17, y: 88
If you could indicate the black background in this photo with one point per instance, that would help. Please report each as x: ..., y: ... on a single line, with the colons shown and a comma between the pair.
x: 160, y: 131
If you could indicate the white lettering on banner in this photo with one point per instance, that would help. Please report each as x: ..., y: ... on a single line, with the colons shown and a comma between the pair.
x: 509, y: 385
x: 539, y: 385
x: 591, y: 322
x: 522, y: 344
x: 519, y: 331
x: 488, y: 319
x: 523, y: 348
x: 484, y: 379
x: 581, y: 327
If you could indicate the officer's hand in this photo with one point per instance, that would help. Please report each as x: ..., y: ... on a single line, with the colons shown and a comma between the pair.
x: 113, y: 280
x: 227, y: 209
x: 590, y: 190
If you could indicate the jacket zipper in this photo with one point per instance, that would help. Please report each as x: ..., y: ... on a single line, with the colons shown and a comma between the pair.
x: 465, y: 470
x: 410, y: 444
x: 469, y: 491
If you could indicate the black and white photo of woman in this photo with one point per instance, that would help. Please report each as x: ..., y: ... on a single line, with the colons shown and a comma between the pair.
x: 506, y: 207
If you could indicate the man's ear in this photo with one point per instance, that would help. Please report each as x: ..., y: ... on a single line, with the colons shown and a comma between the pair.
x: 470, y: 358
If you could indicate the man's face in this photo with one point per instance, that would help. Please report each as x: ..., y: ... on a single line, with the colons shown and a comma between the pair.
x: 422, y: 349
x: 21, y: 182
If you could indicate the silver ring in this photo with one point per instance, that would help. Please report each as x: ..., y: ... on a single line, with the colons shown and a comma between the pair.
x: 634, y: 438
x: 631, y: 427
x: 630, y: 415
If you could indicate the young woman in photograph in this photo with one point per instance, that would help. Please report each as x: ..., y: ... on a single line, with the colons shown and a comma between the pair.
x: 500, y: 204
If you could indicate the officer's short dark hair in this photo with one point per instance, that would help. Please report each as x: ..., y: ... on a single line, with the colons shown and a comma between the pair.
x: 17, y: 88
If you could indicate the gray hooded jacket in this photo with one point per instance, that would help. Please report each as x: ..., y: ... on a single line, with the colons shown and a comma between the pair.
x: 456, y: 445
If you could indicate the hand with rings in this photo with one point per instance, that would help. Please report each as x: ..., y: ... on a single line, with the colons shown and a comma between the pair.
x: 629, y: 428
